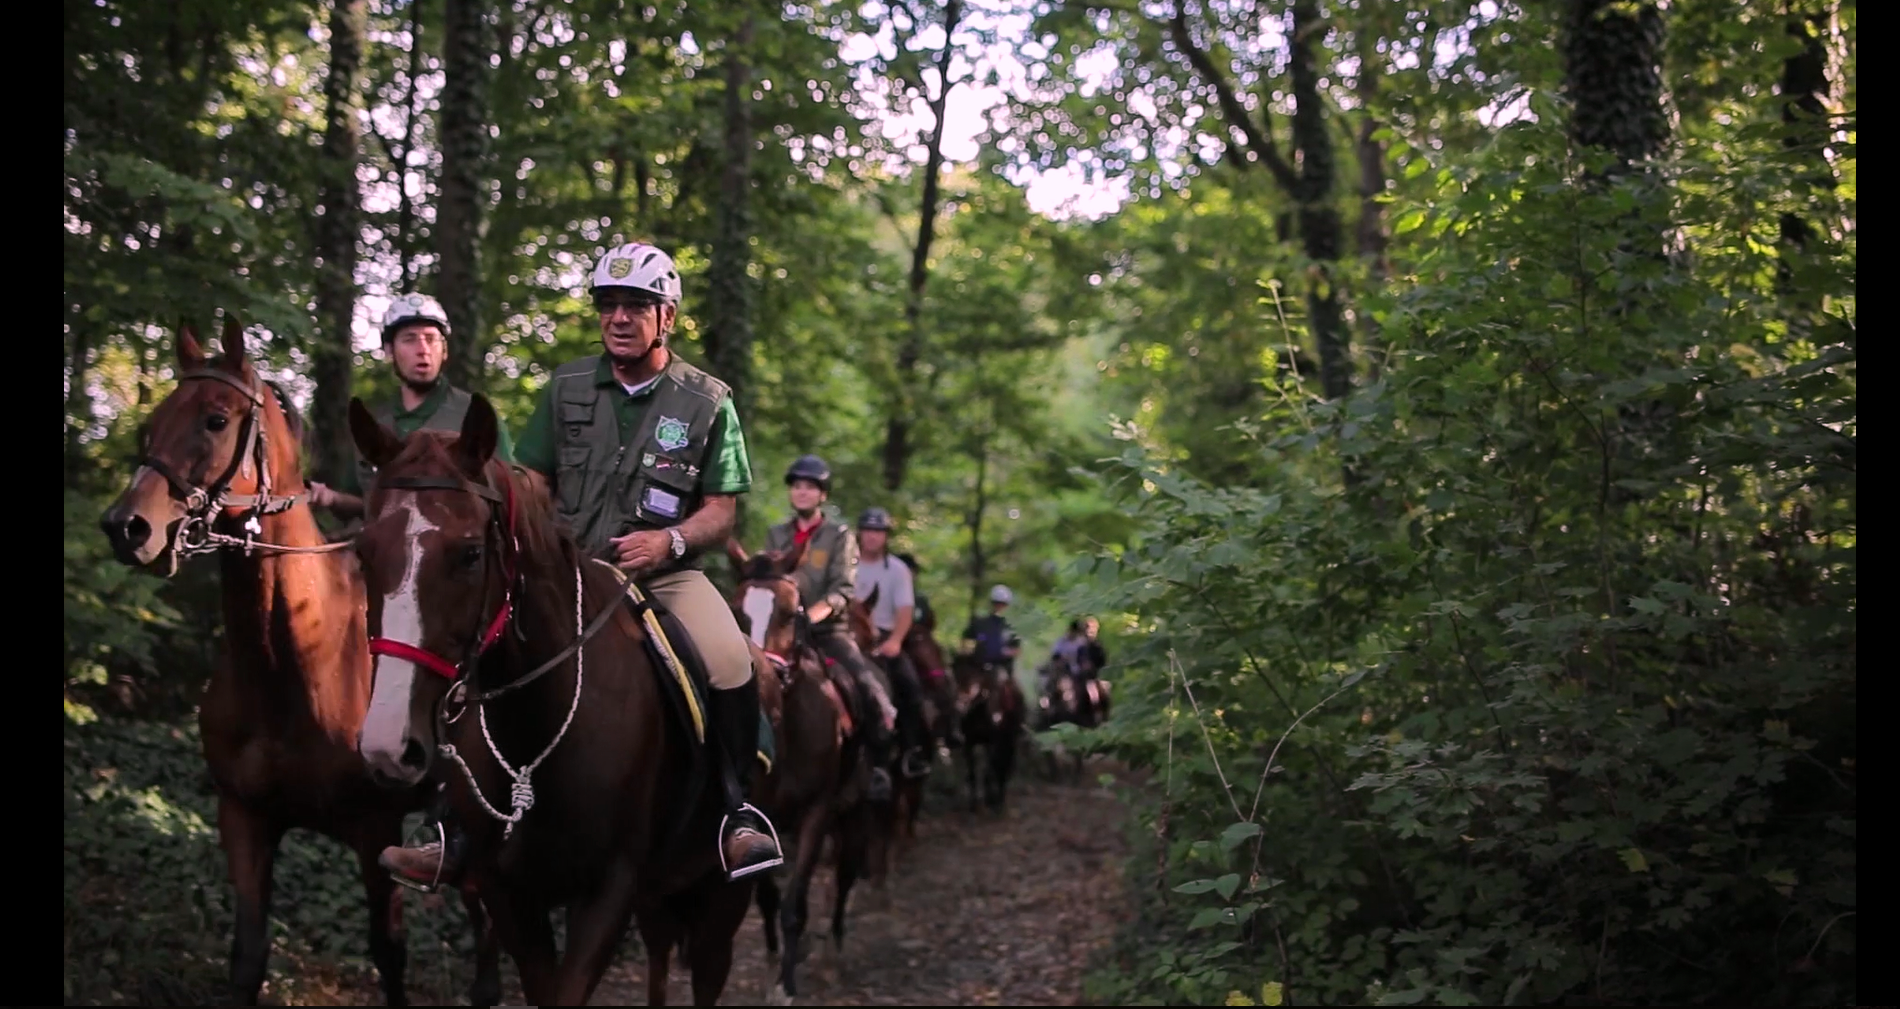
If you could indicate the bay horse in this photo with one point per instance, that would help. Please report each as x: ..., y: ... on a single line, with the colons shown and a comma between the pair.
x: 495, y: 640
x: 907, y: 793
x: 993, y: 718
x: 280, y: 714
x: 1074, y: 700
x: 819, y: 779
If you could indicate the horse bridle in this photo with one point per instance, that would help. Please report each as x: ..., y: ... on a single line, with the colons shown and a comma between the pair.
x: 194, y: 534
x: 501, y: 525
x: 784, y: 665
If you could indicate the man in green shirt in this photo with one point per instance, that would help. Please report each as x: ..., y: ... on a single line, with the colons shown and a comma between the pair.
x: 416, y: 341
x: 644, y: 461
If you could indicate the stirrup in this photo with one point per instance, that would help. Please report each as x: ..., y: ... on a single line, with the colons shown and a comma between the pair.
x: 720, y: 843
x: 434, y: 885
x: 912, y: 759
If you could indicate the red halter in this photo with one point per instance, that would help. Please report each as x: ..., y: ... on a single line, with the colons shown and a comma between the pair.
x: 427, y: 659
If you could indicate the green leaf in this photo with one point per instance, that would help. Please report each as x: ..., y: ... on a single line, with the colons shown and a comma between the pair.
x: 1633, y: 858
x: 1236, y: 833
x: 1272, y: 993
x: 1227, y: 885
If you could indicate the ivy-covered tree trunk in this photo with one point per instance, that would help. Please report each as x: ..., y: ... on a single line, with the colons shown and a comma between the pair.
x: 464, y: 133
x: 1613, y: 73
x: 729, y: 330
x: 78, y: 401
x: 1307, y: 179
x: 338, y: 228
x: 897, y: 442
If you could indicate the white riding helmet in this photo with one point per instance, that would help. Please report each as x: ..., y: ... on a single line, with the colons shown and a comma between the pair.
x: 413, y: 308
x: 641, y: 267
x: 1000, y: 594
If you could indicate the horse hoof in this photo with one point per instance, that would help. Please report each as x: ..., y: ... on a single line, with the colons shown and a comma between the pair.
x: 776, y: 995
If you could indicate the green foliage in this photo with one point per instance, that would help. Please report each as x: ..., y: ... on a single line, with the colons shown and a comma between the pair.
x: 148, y: 910
x: 1559, y: 694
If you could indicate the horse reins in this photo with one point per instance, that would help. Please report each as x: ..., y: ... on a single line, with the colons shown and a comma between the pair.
x: 195, y: 535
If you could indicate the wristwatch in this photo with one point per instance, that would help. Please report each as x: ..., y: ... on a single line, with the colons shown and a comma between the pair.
x: 679, y: 542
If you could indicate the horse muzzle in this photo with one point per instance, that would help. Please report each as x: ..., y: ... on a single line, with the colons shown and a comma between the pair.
x: 131, y: 536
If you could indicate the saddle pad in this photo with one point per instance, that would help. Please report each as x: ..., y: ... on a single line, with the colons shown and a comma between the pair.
x: 682, y: 664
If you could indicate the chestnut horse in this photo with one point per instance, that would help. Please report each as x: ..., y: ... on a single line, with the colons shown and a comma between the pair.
x: 500, y: 647
x: 817, y: 784
x: 280, y: 715
x: 993, y: 717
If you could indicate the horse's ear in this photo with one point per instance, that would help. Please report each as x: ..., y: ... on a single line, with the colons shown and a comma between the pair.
x: 191, y: 356
x: 233, y: 343
x: 377, y: 443
x: 480, y: 432
x: 736, y: 552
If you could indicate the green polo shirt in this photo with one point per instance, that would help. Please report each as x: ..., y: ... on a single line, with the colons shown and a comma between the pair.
x: 408, y: 422
x: 728, y: 469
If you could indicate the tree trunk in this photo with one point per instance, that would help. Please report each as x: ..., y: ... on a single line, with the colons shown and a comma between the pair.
x: 1372, y: 238
x: 338, y: 228
x: 464, y: 140
x: 1803, y: 113
x: 406, y: 211
x: 1613, y: 73
x: 979, y: 565
x: 897, y: 443
x: 729, y: 330
x: 1321, y: 230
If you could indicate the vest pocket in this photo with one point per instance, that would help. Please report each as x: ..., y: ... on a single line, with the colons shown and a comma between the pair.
x: 571, y: 476
x: 662, y: 497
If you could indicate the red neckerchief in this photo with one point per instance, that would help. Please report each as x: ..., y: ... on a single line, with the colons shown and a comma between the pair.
x: 802, y: 536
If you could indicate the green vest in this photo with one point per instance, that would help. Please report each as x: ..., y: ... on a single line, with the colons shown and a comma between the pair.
x: 447, y: 417
x: 606, y: 489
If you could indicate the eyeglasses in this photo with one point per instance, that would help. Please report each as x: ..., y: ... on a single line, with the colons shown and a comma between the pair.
x: 420, y: 338
x: 634, y: 306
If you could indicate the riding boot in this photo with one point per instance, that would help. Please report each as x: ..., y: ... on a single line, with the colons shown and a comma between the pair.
x: 435, y: 864
x: 747, y: 841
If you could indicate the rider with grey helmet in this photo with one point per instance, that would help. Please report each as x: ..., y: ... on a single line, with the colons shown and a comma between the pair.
x: 416, y: 342
x: 827, y: 577
x: 891, y: 617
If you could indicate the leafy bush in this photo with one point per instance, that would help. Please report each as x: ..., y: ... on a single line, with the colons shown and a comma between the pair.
x: 1552, y: 700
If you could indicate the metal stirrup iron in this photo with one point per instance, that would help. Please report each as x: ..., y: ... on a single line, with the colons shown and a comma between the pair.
x: 720, y: 843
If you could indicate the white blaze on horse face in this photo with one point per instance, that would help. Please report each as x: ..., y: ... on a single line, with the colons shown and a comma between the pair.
x: 758, y: 606
x: 386, y: 729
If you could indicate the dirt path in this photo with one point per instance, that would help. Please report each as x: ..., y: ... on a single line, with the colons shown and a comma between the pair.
x: 981, y: 911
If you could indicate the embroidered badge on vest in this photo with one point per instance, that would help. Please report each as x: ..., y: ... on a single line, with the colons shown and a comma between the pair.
x: 670, y: 433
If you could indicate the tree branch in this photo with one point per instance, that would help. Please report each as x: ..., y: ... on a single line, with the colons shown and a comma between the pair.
x: 1259, y: 140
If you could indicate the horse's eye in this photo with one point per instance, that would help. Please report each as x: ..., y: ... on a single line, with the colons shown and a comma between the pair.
x: 216, y: 422
x: 471, y: 555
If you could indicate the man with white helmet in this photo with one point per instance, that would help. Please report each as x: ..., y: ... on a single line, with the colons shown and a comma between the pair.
x: 645, y: 461
x: 416, y: 341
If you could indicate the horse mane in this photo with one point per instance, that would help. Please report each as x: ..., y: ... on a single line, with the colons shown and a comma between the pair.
x: 541, y: 536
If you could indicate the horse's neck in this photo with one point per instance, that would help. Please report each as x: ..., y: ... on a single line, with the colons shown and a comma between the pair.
x: 294, y: 622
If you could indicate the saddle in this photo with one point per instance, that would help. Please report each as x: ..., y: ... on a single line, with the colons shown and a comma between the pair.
x: 682, y: 671
x: 828, y: 684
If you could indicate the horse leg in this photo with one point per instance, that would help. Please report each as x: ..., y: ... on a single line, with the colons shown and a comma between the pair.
x: 388, y: 947
x: 485, y: 990
x: 594, y: 928
x: 523, y: 928
x: 853, y: 844
x: 709, y: 945
x: 768, y: 901
x: 811, y: 841
x: 659, y: 931
x: 969, y: 767
x: 250, y: 851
